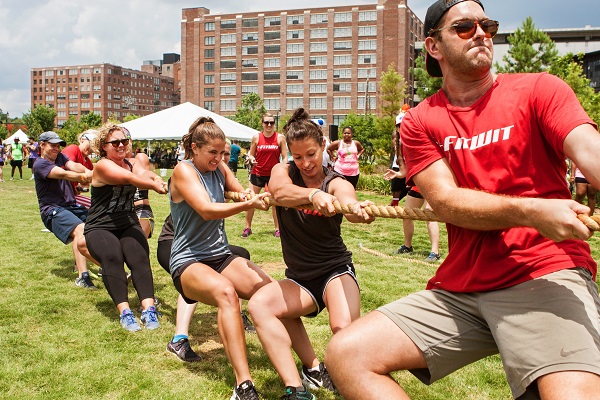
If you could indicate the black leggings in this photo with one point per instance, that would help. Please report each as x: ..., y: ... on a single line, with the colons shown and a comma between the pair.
x: 112, y: 249
x: 163, y: 253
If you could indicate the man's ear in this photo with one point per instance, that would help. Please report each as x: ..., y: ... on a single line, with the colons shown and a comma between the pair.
x: 431, y: 45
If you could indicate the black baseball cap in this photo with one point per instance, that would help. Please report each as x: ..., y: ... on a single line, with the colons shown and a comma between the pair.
x: 435, y: 12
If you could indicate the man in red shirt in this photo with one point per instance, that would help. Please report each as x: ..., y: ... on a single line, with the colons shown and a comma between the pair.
x: 488, y: 153
x: 80, y: 154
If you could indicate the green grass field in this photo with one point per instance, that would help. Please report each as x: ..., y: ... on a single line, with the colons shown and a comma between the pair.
x: 59, y: 341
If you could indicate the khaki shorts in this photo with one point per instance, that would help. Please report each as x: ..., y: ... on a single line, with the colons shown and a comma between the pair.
x: 545, y: 325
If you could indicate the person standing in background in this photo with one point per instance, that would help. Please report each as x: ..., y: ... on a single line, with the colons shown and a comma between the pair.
x: 347, y: 152
x: 80, y: 154
x: 234, y: 157
x: 33, y: 154
x: 17, y: 152
x: 583, y: 188
x: 1, y: 162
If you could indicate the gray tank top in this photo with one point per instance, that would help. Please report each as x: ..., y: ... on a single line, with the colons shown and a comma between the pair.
x: 195, y: 238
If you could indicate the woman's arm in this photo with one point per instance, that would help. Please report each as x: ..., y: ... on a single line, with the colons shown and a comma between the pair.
x: 344, y: 192
x: 107, y: 172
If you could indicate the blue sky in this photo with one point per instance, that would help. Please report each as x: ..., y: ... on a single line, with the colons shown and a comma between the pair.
x: 42, y: 33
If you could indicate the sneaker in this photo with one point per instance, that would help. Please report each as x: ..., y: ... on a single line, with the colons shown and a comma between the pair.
x: 245, y: 390
x: 156, y: 304
x: 247, y: 323
x: 276, y: 234
x: 129, y: 322
x: 247, y: 232
x: 317, y: 379
x: 183, y: 351
x: 404, y: 250
x: 433, y: 257
x: 150, y: 318
x: 85, y: 281
x: 292, y: 393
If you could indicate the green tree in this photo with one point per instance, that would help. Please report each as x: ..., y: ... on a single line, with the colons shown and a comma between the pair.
x: 250, y: 112
x: 393, y: 91
x: 39, y: 119
x: 130, y: 117
x: 425, y: 85
x: 92, y: 120
x: 530, y: 50
x: 70, y: 129
x: 569, y: 68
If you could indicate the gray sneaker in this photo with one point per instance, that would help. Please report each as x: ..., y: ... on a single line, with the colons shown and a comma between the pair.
x: 150, y: 318
x: 85, y: 282
x: 129, y: 322
x: 433, y: 257
x: 245, y: 391
x: 317, y: 379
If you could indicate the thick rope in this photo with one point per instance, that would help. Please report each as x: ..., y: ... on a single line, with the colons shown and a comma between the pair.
x: 593, y: 222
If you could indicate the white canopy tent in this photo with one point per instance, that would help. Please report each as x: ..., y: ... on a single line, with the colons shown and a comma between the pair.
x: 20, y: 134
x: 174, y: 122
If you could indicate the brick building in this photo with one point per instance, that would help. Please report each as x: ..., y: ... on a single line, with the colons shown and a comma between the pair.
x: 107, y: 89
x: 328, y: 60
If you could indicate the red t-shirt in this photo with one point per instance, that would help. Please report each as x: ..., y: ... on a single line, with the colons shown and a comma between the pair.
x: 509, y: 142
x: 74, y: 153
x: 267, y: 154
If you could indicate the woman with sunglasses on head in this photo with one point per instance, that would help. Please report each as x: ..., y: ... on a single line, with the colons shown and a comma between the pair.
x: 347, y: 151
x: 319, y: 270
x: 202, y: 265
x: 113, y: 234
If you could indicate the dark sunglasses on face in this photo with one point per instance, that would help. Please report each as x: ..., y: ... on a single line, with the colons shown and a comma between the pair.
x: 269, y: 122
x: 466, y: 29
x: 116, y: 143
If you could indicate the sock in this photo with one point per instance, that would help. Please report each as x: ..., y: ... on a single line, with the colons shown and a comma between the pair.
x: 86, y: 273
x: 317, y: 368
x: 395, y: 201
x: 177, y: 338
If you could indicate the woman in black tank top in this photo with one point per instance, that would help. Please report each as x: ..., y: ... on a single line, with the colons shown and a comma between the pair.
x: 319, y: 267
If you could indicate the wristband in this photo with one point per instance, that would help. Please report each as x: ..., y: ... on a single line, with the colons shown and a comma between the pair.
x: 82, y: 178
x: 312, y: 193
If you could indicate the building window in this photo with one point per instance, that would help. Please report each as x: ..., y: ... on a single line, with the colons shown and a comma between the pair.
x: 249, y: 89
x: 209, y: 79
x: 209, y: 92
x: 272, y: 62
x: 294, y: 75
x: 272, y: 89
x: 292, y: 103
x: 228, y: 24
x: 318, y: 103
x: 367, y: 59
x: 249, y: 37
x: 295, y: 48
x: 249, y: 50
x: 342, y: 87
x: 342, y: 103
x: 227, y: 51
x: 209, y: 40
x: 295, y: 61
x: 294, y: 88
x: 271, y: 75
x: 317, y: 47
x: 342, y: 60
x: 367, y: 72
x: 342, y: 73
x: 363, y: 85
x: 272, y: 35
x: 272, y: 21
x: 318, y: 88
x: 209, y: 66
x: 367, y: 30
x: 319, y: 60
x: 295, y: 34
x: 249, y: 22
x: 228, y: 105
x: 367, y: 44
x: 295, y: 19
x: 228, y: 77
x: 342, y: 17
x: 227, y: 90
x: 228, y: 64
x: 318, y: 74
x: 272, y: 48
x: 342, y: 32
x: 318, y: 19
x: 209, y: 26
x: 342, y: 45
x: 50, y: 73
x: 318, y: 33
x: 228, y: 38
x: 272, y: 104
x: 209, y: 105
x: 249, y: 76
x: 253, y: 62
x: 367, y: 16
x: 372, y: 102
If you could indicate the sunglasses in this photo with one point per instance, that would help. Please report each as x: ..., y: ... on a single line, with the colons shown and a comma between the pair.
x: 466, y: 29
x: 116, y: 143
x: 269, y: 122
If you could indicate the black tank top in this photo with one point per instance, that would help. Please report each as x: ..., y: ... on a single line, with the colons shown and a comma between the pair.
x: 312, y: 245
x: 112, y: 207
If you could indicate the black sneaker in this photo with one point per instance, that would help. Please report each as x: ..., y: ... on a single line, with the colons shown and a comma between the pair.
x: 318, y: 379
x: 404, y: 250
x: 183, y: 351
x: 85, y: 281
x: 299, y: 393
x: 247, y: 323
x: 245, y: 391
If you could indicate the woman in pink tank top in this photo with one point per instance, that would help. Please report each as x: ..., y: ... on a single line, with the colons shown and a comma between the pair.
x: 346, y: 157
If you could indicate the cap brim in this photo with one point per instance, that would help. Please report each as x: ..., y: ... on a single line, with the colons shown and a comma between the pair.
x: 54, y: 141
x: 433, y: 67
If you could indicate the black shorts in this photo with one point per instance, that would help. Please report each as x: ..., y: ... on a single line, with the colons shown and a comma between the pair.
x: 316, y: 287
x: 414, y: 194
x: 218, y: 263
x: 233, y: 166
x: 30, y: 162
x: 16, y: 163
x: 581, y: 180
x: 397, y: 184
x: 260, y: 181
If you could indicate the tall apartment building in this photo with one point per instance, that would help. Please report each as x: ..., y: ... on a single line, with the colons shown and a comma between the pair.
x: 328, y: 60
x: 105, y: 89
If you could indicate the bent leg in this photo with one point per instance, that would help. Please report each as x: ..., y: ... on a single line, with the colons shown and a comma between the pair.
x: 569, y: 385
x: 342, y: 298
x: 376, y: 346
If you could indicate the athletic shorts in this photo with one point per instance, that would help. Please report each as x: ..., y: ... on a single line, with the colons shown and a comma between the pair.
x: 580, y: 180
x: 415, y: 194
x: 233, y: 165
x: 63, y: 220
x: 543, y: 328
x: 218, y: 264
x: 316, y: 287
x: 16, y: 163
x: 1, y: 163
x: 397, y: 184
x: 30, y: 162
x: 260, y: 181
x: 144, y: 211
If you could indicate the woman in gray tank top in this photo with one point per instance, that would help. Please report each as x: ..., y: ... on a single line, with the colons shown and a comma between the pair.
x: 202, y: 266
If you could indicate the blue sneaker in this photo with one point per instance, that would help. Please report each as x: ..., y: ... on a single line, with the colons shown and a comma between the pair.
x: 150, y: 318
x: 404, y: 250
x: 129, y: 322
x: 433, y: 257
